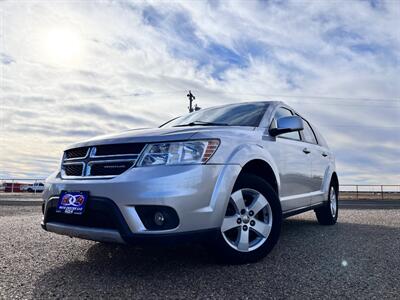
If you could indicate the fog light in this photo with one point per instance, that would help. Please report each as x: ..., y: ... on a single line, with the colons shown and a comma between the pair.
x: 159, y: 219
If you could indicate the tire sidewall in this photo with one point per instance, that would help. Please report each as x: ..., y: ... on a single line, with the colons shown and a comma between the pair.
x: 336, y: 199
x: 226, y: 252
x: 324, y: 213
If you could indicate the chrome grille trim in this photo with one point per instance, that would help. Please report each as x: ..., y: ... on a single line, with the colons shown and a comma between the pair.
x: 114, y: 155
x: 127, y: 149
x: 91, y: 163
x: 91, y: 159
x: 64, y: 174
x: 75, y: 158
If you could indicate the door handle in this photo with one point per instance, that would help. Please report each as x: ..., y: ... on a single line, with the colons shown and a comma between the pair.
x: 306, y: 151
x: 324, y: 154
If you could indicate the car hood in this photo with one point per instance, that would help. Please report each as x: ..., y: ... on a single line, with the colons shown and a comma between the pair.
x: 148, y: 135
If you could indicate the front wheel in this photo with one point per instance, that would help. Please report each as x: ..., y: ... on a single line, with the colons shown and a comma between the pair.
x: 328, y: 214
x: 252, y: 222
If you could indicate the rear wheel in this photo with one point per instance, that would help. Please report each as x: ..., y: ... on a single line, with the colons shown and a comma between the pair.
x: 328, y: 214
x: 252, y: 222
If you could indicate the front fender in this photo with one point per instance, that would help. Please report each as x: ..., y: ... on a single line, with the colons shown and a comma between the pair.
x: 246, y: 153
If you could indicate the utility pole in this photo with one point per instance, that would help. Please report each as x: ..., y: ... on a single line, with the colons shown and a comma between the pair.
x: 191, y: 99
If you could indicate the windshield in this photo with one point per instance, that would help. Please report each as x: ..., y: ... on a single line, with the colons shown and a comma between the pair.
x: 249, y: 114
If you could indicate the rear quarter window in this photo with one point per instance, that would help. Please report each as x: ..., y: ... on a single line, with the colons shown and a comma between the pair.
x: 308, y: 133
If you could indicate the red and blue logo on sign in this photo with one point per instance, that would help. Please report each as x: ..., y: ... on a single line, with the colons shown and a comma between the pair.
x: 72, y: 203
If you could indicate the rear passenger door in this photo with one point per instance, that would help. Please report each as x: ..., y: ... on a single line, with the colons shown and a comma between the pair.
x: 319, y: 162
x: 294, y: 167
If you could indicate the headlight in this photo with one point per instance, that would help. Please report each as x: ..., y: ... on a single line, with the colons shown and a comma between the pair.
x: 178, y: 153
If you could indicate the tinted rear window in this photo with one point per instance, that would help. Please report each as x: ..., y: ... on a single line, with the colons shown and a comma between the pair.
x: 308, y: 133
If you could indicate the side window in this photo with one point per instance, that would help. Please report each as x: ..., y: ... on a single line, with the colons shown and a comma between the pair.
x: 308, y: 133
x: 284, y: 112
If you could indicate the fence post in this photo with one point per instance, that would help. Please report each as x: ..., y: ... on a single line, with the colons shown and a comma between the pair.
x: 34, y: 187
x: 12, y: 186
x: 356, y: 191
x: 382, y: 192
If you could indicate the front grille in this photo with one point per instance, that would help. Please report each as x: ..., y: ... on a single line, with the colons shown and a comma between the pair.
x: 73, y: 169
x: 120, y: 149
x: 76, y: 153
x: 109, y: 168
x: 100, y: 161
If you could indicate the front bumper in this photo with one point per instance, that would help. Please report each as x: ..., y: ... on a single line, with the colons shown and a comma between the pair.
x: 197, y: 193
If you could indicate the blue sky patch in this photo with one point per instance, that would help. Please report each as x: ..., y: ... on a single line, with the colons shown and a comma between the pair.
x: 6, y: 59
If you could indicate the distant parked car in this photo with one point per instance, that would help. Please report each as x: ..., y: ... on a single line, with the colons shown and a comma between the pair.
x: 228, y: 173
x: 37, y: 187
x: 12, y: 187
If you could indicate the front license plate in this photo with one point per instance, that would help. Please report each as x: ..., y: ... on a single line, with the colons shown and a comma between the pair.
x: 72, y: 203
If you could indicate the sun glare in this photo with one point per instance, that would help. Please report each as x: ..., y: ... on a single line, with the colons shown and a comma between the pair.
x: 63, y: 46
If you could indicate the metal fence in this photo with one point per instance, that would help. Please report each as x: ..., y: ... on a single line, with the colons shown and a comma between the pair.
x: 347, y: 191
x: 22, y: 185
x: 370, y: 191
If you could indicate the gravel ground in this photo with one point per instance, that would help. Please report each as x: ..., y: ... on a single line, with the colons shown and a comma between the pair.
x: 357, y: 258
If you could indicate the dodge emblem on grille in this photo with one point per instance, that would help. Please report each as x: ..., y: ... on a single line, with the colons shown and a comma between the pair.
x: 114, y: 166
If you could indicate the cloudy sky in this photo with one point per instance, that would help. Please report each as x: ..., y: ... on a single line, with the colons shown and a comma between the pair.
x: 71, y: 70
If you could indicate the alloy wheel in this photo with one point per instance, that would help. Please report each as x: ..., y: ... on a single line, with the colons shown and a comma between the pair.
x: 248, y: 220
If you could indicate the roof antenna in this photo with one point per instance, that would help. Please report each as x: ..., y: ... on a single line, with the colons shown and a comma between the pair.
x: 191, y: 98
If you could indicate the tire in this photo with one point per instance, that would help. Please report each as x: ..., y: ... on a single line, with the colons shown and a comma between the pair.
x: 328, y: 214
x: 253, y: 215
x: 30, y: 191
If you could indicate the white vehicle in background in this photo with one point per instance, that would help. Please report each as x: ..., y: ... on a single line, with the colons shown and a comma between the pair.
x: 37, y: 187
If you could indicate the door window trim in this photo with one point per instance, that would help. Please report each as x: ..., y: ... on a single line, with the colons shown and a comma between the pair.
x: 293, y: 113
x: 312, y: 130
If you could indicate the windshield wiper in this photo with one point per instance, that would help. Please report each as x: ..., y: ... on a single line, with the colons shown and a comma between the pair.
x: 202, y: 123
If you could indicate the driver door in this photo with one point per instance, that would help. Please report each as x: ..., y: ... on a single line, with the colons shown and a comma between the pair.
x: 294, y: 167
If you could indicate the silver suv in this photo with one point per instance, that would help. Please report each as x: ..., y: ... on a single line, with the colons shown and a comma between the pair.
x: 228, y: 174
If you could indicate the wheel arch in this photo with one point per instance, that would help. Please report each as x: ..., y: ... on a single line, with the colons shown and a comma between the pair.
x: 262, y: 169
x: 335, y: 181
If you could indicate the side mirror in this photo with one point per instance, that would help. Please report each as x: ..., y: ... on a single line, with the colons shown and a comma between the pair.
x: 287, y: 124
